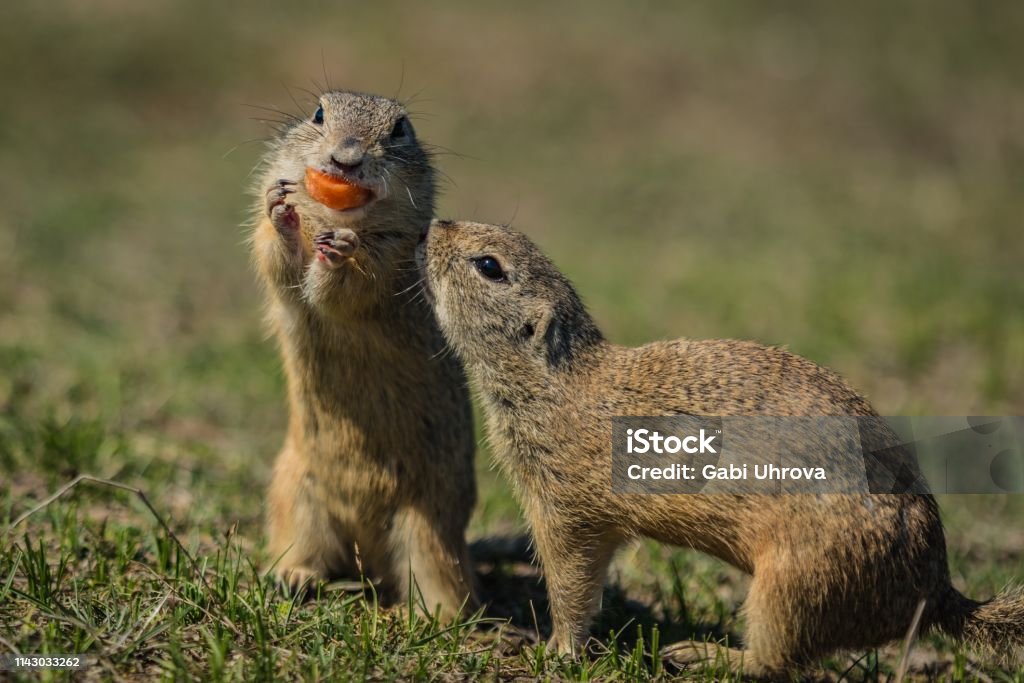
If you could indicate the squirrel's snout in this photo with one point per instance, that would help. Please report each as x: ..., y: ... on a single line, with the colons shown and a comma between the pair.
x: 346, y: 166
x: 348, y: 157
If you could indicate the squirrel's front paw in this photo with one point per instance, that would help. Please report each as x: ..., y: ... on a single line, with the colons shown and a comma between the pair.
x: 281, y: 213
x: 334, y: 247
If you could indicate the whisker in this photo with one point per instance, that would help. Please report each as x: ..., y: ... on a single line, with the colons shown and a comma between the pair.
x: 273, y: 110
x: 283, y: 124
x: 401, y: 82
x: 413, y: 98
x: 515, y: 213
x: 242, y: 144
x: 410, y: 287
x: 312, y: 94
x: 323, y: 67
x: 446, y: 151
x: 294, y: 101
x: 445, y: 352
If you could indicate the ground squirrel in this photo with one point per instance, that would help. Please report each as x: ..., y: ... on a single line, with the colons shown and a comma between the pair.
x: 830, y: 572
x: 376, y: 473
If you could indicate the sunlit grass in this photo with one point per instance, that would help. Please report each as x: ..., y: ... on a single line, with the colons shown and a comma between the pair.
x: 841, y: 180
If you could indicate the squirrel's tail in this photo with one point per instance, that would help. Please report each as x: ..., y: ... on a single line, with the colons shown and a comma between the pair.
x: 994, y: 627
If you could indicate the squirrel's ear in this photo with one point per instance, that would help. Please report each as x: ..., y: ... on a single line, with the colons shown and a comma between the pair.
x: 550, y: 336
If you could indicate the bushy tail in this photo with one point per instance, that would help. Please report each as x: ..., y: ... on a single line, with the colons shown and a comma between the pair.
x: 994, y: 628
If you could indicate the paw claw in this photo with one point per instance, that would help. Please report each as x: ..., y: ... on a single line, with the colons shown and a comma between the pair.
x: 282, y: 215
x: 334, y: 247
x: 277, y: 193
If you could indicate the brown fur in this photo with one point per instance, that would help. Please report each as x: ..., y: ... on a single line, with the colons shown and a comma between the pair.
x: 829, y: 572
x: 376, y: 474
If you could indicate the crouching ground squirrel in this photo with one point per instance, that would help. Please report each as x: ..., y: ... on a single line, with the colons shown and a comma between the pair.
x: 830, y: 572
x: 376, y: 473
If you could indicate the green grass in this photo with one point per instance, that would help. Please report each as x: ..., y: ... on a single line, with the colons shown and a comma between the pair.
x: 841, y: 180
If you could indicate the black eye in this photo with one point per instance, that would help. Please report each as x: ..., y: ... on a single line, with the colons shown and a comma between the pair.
x: 489, y: 268
x: 318, y: 116
x: 400, y: 128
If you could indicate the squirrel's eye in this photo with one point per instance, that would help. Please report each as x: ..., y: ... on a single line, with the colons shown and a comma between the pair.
x: 318, y: 115
x: 489, y: 268
x: 400, y: 128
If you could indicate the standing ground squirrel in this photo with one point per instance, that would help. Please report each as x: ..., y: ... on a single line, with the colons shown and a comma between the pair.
x: 376, y: 473
x: 830, y: 572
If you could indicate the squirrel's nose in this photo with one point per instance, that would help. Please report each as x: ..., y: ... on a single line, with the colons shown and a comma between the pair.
x: 348, y: 157
x: 346, y: 167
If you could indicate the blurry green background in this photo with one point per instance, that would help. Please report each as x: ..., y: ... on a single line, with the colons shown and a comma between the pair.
x: 842, y: 179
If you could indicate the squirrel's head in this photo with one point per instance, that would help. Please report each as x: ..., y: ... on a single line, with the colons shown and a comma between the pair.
x: 499, y: 301
x: 367, y: 141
